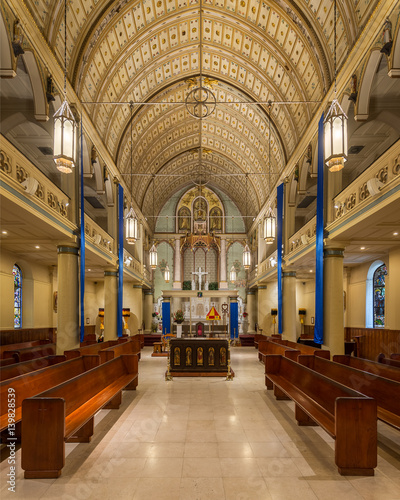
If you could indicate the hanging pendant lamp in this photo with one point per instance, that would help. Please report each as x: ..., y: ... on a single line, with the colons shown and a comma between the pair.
x: 64, y: 123
x: 246, y: 251
x: 131, y: 221
x: 153, y: 250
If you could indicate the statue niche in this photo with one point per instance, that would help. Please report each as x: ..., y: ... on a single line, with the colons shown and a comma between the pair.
x: 215, y: 219
x: 200, y: 216
x: 184, y: 219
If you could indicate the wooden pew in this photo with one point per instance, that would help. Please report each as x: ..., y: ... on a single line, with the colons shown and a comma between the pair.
x: 304, y: 349
x: 267, y: 348
x: 382, y: 389
x: 395, y: 356
x: 17, y: 369
x: 66, y: 413
x: 93, y: 348
x: 30, y: 384
x: 348, y: 416
x: 388, y: 361
x: 132, y: 346
x: 22, y: 345
x: 27, y: 353
x: 380, y: 369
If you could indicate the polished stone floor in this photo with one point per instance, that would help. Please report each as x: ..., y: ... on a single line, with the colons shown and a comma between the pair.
x: 206, y: 438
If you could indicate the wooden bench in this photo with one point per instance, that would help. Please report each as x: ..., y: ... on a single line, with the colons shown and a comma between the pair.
x: 22, y: 345
x: 348, y: 416
x: 27, y: 353
x: 30, y: 384
x: 17, y: 369
x: 66, y: 413
x: 93, y: 348
x: 382, y: 389
x: 7, y: 362
x: 150, y: 338
x: 267, y: 348
x: 380, y: 369
x: 304, y: 349
x: 395, y: 356
x: 388, y: 361
x: 132, y: 346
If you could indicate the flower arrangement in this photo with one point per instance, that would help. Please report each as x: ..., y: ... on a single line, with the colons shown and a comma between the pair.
x: 245, y: 314
x: 178, y: 316
x: 154, y: 314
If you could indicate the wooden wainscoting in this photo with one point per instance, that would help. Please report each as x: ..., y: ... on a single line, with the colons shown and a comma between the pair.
x: 373, y: 341
x: 27, y: 334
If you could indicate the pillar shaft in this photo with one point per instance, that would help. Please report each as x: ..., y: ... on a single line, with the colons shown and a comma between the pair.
x: 289, y: 305
x: 251, y: 311
x: 148, y: 310
x: 177, y: 285
x: 110, y: 304
x: 136, y: 307
x: 263, y: 313
x: 333, y: 300
x: 223, y: 284
x: 67, y: 298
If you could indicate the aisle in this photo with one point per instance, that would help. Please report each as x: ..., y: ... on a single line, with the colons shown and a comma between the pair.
x: 206, y: 438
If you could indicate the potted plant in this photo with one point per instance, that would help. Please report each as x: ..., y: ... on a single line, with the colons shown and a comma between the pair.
x: 178, y: 316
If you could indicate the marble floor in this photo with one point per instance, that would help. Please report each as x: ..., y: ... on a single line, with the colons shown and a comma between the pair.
x: 206, y: 438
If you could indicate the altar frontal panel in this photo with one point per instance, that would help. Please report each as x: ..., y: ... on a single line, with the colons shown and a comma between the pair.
x: 199, y: 356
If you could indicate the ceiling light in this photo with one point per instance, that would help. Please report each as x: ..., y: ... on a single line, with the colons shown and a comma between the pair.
x: 37, y: 246
x: 311, y: 270
x: 394, y: 234
x: 5, y: 232
x: 362, y: 248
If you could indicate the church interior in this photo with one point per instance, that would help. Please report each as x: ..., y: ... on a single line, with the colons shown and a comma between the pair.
x: 200, y: 249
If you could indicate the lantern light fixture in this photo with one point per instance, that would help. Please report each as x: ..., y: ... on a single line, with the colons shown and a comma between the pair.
x: 335, y: 126
x: 167, y: 274
x: 64, y: 122
x: 246, y: 251
x: 153, y: 250
x: 269, y: 223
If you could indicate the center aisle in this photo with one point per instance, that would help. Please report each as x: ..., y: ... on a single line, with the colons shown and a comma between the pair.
x: 206, y: 438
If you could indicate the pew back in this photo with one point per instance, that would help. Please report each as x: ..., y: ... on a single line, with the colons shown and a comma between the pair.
x: 17, y: 369
x: 305, y: 349
x: 30, y: 384
x: 27, y: 353
x: 132, y: 346
x: 380, y: 369
x: 93, y: 348
x: 383, y: 390
x: 22, y: 345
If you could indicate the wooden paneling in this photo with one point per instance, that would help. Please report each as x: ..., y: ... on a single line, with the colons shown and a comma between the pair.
x: 373, y: 341
x: 27, y: 334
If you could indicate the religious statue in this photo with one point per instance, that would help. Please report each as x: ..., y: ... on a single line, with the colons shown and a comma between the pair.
x: 200, y: 209
x: 222, y: 356
x: 188, y: 356
x: 215, y: 219
x: 177, y: 356
x: 199, y: 356
x: 199, y: 273
x: 211, y: 356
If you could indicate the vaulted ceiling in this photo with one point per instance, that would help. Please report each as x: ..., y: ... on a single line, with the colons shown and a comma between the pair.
x: 148, y: 52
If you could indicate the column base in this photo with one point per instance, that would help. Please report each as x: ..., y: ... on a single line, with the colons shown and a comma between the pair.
x: 223, y: 285
x: 177, y: 285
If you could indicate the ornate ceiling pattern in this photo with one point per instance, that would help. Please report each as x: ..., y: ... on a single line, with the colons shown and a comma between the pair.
x: 254, y: 51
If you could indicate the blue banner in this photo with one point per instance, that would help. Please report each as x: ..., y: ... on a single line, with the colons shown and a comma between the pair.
x: 82, y: 247
x: 279, y: 244
x: 319, y: 245
x: 166, y: 317
x: 234, y: 320
x: 120, y: 258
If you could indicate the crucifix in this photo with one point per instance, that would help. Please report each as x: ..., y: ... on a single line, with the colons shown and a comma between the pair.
x: 199, y: 273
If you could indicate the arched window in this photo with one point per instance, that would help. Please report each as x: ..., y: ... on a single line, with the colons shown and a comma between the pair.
x: 17, y: 273
x: 379, y: 296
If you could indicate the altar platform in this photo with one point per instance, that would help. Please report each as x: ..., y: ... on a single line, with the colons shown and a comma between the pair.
x: 199, y: 357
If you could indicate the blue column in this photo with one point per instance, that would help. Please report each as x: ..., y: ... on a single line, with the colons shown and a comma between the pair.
x: 319, y: 245
x: 279, y: 193
x: 234, y: 318
x: 82, y: 248
x: 120, y: 258
x: 166, y: 317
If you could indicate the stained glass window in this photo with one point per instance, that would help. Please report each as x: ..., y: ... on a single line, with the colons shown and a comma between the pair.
x: 379, y: 296
x: 17, y: 297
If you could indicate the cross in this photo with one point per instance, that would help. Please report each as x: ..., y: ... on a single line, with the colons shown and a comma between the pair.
x: 199, y: 273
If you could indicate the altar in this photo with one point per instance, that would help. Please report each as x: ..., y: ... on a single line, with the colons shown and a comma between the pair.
x: 199, y: 357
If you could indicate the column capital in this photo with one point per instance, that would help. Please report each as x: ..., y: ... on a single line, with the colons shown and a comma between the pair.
x: 111, y: 272
x: 166, y: 299
x: 68, y: 248
x: 334, y: 252
x: 288, y: 274
x: 233, y: 299
x: 148, y: 292
x: 262, y: 287
x: 250, y: 292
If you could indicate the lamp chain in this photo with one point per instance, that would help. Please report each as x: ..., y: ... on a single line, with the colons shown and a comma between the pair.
x: 334, y: 41
x: 131, y: 106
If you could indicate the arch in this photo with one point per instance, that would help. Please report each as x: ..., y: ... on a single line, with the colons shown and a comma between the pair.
x: 394, y: 62
x: 184, y: 219
x: 303, y: 175
x: 7, y: 59
x: 39, y: 96
x: 293, y: 190
x: 98, y: 175
x: 361, y: 111
x: 17, y: 275
x: 369, y: 294
x: 216, y: 219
